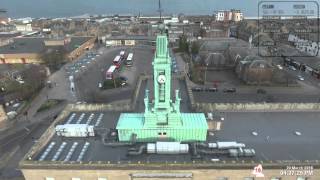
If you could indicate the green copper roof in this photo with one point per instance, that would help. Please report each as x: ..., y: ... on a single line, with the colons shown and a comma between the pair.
x: 162, y: 46
x: 130, y: 120
x: 189, y: 121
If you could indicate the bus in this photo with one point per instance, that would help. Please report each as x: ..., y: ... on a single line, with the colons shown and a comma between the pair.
x: 129, y: 60
x: 122, y: 54
x: 117, y: 61
x: 110, y: 72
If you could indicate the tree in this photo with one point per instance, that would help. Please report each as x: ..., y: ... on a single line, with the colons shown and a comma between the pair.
x: 183, y: 44
x: 135, y: 30
x: 54, y: 58
x: 195, y: 48
x: 202, y: 32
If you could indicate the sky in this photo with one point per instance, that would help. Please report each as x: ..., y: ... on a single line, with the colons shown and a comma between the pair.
x: 67, y: 8
x: 64, y: 8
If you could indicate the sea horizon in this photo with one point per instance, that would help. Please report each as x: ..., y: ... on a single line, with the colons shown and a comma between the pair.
x: 70, y: 8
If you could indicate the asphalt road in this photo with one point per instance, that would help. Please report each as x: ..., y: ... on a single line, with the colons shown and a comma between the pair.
x: 25, y: 141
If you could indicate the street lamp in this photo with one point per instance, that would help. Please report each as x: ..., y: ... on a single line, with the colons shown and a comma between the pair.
x: 205, y: 73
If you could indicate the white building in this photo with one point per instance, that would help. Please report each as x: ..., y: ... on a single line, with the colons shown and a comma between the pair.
x: 220, y: 16
x: 229, y: 15
x: 171, y: 21
x: 237, y: 15
x: 23, y: 27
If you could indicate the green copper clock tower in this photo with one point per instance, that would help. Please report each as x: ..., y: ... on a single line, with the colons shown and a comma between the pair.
x: 162, y: 120
x: 163, y: 112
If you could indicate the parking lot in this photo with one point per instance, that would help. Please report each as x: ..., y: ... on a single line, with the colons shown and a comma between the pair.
x: 87, y: 78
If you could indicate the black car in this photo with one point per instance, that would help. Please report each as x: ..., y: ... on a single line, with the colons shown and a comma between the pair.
x: 212, y: 89
x: 229, y: 90
x: 197, y: 89
x: 261, y: 91
x: 123, y: 80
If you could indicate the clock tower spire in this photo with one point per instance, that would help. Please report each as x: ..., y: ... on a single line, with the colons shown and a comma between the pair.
x: 163, y: 109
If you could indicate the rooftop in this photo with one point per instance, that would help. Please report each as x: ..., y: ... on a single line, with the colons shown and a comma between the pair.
x: 9, y: 34
x: 135, y: 120
x: 132, y: 37
x: 36, y: 45
x: 275, y: 141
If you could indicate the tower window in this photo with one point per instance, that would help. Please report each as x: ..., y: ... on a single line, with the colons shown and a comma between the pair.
x: 162, y: 133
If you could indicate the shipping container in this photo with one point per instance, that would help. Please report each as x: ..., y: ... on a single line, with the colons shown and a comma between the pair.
x: 74, y: 130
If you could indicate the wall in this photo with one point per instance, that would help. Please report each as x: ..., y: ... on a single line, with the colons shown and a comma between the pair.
x: 24, y: 27
x: 17, y: 58
x: 124, y: 42
x: 80, y: 50
x: 120, y: 106
x: 137, y: 89
x: 129, y: 42
x: 263, y: 107
x: 197, y: 174
x: 113, y: 43
x: 3, y: 115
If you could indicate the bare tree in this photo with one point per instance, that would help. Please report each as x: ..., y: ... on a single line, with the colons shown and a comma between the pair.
x: 54, y: 57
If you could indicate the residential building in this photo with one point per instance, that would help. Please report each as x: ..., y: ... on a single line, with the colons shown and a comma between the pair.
x: 229, y: 15
x: 29, y: 50
x: 236, y: 15
x: 21, y: 27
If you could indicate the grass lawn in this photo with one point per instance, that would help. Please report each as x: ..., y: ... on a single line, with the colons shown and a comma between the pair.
x: 110, y: 84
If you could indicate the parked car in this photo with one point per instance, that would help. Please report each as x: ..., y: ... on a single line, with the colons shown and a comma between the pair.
x: 124, y: 80
x: 261, y: 91
x: 212, y: 89
x: 12, y: 114
x: 197, y: 89
x: 301, y: 78
x: 279, y: 67
x: 292, y: 68
x: 229, y: 90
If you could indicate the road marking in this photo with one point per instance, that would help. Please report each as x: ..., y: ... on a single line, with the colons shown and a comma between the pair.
x: 27, y: 129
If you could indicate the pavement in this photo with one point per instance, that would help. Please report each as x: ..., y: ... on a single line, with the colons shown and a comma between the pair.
x: 87, y: 84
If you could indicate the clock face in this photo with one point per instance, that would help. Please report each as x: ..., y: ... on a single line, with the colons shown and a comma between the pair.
x: 161, y: 79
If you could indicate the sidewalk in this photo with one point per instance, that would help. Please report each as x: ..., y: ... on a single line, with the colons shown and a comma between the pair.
x: 60, y: 91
